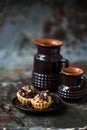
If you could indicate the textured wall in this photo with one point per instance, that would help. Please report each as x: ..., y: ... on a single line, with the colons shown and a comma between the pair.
x: 20, y: 22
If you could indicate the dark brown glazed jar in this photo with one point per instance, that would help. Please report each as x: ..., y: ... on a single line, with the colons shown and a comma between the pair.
x: 73, y: 86
x: 47, y: 64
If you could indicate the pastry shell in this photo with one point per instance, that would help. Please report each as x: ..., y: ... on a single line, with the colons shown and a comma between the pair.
x: 41, y: 104
x: 23, y: 100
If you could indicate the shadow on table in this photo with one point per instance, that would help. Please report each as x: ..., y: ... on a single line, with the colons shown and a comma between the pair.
x: 60, y: 111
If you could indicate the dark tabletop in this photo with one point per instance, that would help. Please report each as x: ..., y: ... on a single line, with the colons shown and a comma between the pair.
x: 69, y: 115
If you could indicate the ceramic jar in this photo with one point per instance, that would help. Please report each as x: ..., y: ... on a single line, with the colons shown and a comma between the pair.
x: 73, y: 84
x: 48, y: 63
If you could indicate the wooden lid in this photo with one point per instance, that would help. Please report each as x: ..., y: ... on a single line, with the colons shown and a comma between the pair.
x: 73, y: 71
x: 47, y: 42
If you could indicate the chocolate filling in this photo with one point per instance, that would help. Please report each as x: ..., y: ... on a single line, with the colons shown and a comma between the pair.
x: 26, y: 94
x: 43, y: 96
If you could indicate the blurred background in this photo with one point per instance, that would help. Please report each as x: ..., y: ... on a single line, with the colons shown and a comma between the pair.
x: 23, y: 20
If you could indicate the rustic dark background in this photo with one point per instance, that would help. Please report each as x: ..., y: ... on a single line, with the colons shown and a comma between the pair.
x: 20, y: 22
x: 23, y: 20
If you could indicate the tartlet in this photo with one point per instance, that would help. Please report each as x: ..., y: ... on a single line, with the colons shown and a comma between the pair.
x: 42, y: 100
x: 25, y: 94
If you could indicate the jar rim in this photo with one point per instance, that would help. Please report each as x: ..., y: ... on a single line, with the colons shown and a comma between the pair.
x: 72, y: 71
x: 47, y: 42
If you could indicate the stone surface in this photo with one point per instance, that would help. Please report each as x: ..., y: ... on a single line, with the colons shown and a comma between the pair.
x: 73, y: 115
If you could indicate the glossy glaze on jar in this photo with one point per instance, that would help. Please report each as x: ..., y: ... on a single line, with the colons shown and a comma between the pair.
x: 47, y: 64
x: 73, y: 84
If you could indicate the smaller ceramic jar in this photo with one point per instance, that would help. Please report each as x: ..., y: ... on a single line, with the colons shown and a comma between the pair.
x: 73, y: 84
